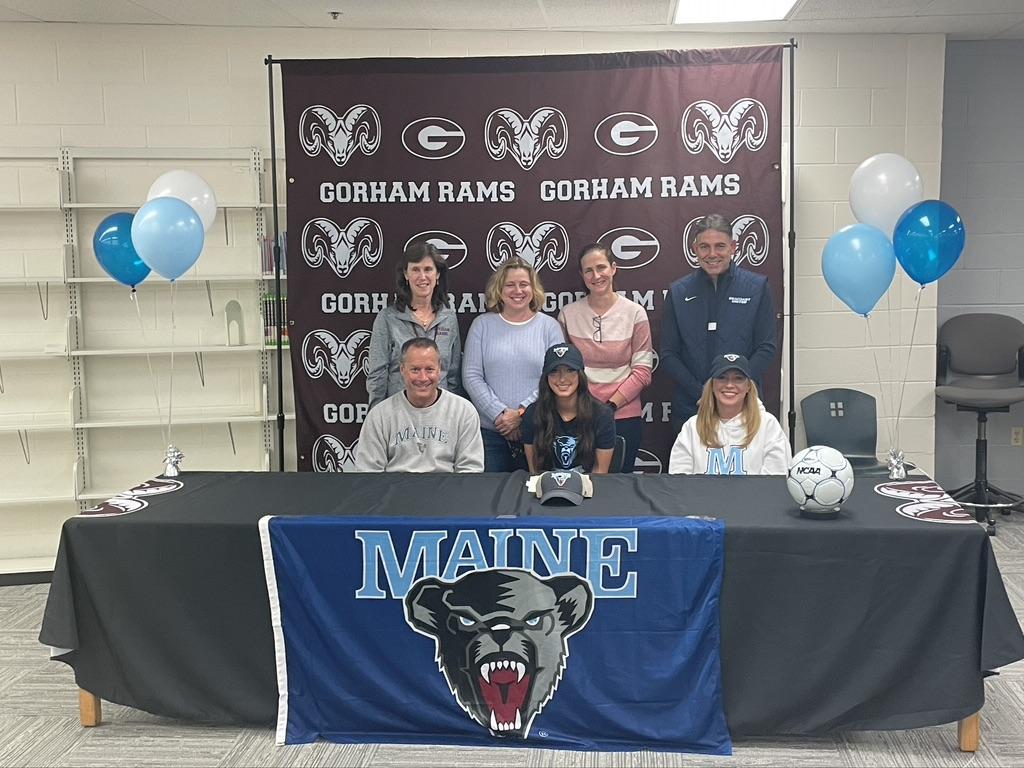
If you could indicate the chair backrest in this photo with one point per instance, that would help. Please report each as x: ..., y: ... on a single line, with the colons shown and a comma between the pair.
x: 618, y: 454
x: 982, y: 343
x: 844, y: 419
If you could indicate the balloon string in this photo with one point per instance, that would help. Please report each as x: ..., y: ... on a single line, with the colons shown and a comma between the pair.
x: 906, y: 369
x: 878, y: 373
x: 170, y: 394
x: 892, y: 318
x: 149, y: 364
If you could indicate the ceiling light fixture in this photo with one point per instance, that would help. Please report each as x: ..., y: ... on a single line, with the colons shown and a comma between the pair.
x: 725, y: 11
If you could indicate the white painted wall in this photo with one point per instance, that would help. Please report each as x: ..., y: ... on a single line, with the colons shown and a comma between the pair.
x: 138, y: 86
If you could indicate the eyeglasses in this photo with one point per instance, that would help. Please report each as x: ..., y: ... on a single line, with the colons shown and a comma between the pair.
x: 598, y: 335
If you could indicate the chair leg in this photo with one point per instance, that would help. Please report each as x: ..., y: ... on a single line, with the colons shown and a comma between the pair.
x: 998, y: 495
x: 980, y: 495
x: 981, y: 463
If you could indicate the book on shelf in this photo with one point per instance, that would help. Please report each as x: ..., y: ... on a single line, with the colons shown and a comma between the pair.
x: 269, y: 307
x: 267, y: 254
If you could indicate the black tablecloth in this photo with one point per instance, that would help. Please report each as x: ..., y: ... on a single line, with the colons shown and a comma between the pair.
x: 873, y: 620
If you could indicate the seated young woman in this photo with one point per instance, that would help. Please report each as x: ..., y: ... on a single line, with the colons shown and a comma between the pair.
x: 732, y: 433
x: 566, y: 428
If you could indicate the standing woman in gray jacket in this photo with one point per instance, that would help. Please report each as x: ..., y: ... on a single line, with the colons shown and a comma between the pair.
x: 420, y: 309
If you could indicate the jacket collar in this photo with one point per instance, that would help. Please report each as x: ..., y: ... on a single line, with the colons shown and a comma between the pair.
x: 724, y: 280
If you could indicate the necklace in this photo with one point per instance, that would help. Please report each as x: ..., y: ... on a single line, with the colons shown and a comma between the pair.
x: 424, y: 316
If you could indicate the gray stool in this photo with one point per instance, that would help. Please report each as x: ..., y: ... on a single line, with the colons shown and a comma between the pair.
x: 981, y: 369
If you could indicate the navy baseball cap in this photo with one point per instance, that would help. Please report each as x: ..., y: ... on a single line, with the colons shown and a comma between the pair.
x: 562, y: 354
x: 725, y: 363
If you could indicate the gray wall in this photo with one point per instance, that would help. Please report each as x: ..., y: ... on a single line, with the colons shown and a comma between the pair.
x: 983, y: 178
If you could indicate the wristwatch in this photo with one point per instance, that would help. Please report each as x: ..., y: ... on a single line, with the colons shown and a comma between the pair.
x: 613, y: 405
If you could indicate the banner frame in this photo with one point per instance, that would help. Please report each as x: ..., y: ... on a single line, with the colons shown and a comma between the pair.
x: 790, y: 302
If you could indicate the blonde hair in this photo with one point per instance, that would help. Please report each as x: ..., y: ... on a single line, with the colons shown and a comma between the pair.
x: 708, y: 418
x: 492, y: 293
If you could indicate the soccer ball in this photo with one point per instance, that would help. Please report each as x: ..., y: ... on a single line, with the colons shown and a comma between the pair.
x: 820, y: 479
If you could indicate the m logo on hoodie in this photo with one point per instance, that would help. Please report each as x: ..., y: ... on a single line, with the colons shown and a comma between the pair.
x: 720, y: 464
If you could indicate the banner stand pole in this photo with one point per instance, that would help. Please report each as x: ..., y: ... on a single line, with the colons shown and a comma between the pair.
x: 791, y: 238
x: 278, y: 304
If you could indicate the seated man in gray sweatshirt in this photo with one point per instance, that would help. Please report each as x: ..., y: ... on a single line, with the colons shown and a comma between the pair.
x: 423, y: 428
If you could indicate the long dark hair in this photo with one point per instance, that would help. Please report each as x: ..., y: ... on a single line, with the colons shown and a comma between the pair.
x: 414, y: 254
x: 545, y: 417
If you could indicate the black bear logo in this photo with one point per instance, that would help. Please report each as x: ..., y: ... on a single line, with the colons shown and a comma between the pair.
x: 502, y: 639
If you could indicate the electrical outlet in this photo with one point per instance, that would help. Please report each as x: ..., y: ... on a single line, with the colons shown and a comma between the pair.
x: 1017, y: 436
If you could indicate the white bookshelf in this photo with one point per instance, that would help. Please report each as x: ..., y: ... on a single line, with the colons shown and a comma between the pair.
x: 74, y: 329
x: 178, y: 349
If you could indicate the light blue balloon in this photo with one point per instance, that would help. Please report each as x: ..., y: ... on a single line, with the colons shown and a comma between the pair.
x: 168, y: 235
x: 928, y: 239
x: 859, y: 264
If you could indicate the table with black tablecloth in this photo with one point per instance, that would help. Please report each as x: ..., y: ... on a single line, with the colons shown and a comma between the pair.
x: 874, y: 620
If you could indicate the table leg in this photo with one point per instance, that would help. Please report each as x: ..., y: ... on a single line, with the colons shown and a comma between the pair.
x: 968, y: 732
x: 89, y: 709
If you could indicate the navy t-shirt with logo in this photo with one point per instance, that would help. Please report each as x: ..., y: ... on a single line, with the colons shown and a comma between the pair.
x: 564, y: 448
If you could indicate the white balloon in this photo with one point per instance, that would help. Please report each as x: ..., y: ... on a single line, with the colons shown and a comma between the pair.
x: 882, y: 188
x: 191, y: 188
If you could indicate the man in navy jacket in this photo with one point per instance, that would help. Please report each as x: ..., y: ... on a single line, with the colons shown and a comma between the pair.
x: 720, y: 308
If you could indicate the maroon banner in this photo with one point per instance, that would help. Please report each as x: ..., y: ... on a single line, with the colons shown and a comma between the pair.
x: 528, y: 156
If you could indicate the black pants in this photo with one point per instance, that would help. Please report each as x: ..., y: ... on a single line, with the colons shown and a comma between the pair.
x: 632, y: 431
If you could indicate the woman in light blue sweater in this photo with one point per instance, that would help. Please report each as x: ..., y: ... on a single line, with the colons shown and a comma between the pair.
x: 503, y: 359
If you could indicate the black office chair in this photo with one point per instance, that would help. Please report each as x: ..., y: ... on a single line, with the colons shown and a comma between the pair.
x: 618, y: 455
x: 981, y: 369
x: 846, y: 420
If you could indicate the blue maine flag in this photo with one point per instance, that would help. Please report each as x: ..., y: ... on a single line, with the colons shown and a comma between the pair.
x: 581, y: 633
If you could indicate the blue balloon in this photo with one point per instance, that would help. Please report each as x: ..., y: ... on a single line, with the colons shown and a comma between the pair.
x: 859, y: 264
x: 928, y: 240
x: 112, y: 244
x: 168, y: 235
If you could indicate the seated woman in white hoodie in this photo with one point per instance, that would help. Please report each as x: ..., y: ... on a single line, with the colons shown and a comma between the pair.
x: 732, y: 433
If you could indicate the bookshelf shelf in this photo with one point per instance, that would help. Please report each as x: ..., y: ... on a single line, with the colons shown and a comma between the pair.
x: 104, y: 431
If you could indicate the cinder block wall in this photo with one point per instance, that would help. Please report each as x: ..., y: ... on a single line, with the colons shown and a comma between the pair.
x: 983, y: 178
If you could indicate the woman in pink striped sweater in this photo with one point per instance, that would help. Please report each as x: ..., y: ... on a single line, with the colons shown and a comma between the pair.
x: 614, y: 335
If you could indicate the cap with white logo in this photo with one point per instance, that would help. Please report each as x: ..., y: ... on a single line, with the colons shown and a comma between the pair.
x: 725, y: 363
x: 570, y: 486
x: 562, y: 354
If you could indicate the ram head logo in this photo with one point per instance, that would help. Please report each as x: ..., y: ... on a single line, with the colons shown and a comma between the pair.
x: 750, y: 233
x: 361, y: 240
x: 745, y: 124
x: 358, y: 130
x: 323, y: 352
x: 332, y: 455
x: 132, y: 500
x: 546, y: 245
x: 506, y: 132
x: 928, y: 502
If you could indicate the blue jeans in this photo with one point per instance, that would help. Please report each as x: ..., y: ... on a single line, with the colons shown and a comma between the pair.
x: 500, y: 455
